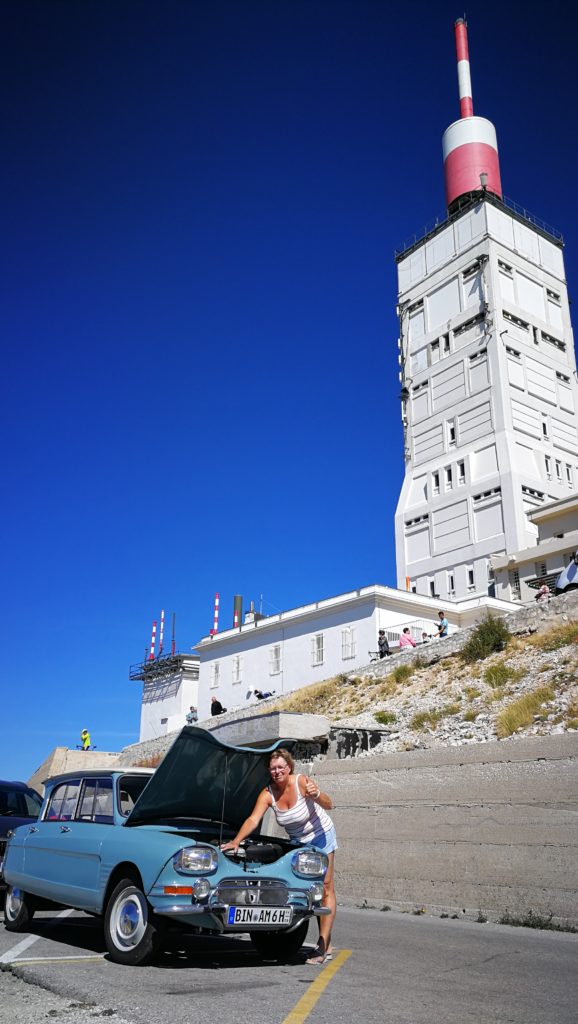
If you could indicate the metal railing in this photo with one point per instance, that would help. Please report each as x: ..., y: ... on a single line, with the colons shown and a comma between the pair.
x: 470, y: 200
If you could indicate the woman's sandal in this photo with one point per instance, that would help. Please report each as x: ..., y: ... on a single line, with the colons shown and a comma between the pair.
x: 319, y: 956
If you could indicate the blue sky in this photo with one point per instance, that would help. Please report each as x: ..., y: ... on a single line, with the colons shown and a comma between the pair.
x: 199, y: 387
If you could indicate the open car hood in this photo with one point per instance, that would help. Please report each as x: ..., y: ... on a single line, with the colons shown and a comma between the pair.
x: 201, y: 777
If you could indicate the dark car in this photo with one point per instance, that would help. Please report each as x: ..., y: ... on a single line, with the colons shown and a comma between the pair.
x: 19, y: 805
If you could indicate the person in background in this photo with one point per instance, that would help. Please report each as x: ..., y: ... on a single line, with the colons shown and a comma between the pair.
x: 216, y: 707
x: 263, y: 694
x: 85, y: 739
x: 443, y: 625
x: 406, y: 639
x: 543, y: 595
x: 382, y: 644
x: 425, y: 638
x: 191, y: 715
x: 301, y: 809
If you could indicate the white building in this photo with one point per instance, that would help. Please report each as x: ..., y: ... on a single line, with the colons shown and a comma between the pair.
x: 488, y: 372
x: 285, y: 652
x: 170, y: 688
x: 519, y: 574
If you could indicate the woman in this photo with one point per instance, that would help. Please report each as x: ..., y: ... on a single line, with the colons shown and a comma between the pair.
x: 300, y: 807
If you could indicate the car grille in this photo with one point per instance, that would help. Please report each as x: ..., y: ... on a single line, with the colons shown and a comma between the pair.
x: 254, y: 892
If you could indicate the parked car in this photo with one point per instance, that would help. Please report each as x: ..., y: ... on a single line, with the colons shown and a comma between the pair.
x: 568, y: 578
x: 19, y: 805
x: 142, y: 850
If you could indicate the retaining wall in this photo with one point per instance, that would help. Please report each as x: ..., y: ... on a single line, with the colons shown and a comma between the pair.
x: 492, y: 827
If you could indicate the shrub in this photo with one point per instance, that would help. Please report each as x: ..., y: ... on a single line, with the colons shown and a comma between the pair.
x: 490, y: 635
x: 521, y: 712
x: 470, y: 716
x: 450, y: 709
x: 472, y: 692
x: 425, y: 718
x: 499, y: 674
x: 385, y: 717
x: 402, y: 673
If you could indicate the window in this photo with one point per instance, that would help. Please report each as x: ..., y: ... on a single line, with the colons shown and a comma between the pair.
x: 414, y: 588
x: 552, y: 295
x: 215, y: 674
x: 435, y: 483
x: 317, y: 649
x: 515, y: 592
x: 275, y: 660
x: 490, y: 571
x: 446, y: 344
x: 540, y: 569
x: 431, y: 586
x: 63, y: 801
x: 544, y: 427
x: 96, y: 803
x: 569, y: 478
x: 348, y: 645
x: 470, y: 578
x: 434, y: 351
x: 448, y: 478
x: 512, y: 352
x: 451, y: 433
x: 560, y: 345
x: 130, y: 788
x: 461, y: 472
x: 558, y: 471
x: 237, y: 668
x: 505, y: 268
x: 548, y: 462
x: 451, y: 585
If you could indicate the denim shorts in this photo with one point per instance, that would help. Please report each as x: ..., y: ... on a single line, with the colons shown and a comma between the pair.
x: 327, y: 841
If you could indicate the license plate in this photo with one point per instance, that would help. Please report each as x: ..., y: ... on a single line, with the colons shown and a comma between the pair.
x: 239, y: 916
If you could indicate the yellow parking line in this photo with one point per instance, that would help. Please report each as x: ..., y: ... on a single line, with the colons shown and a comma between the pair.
x: 308, y: 1000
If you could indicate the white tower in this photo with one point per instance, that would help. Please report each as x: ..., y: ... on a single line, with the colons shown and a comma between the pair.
x: 488, y: 373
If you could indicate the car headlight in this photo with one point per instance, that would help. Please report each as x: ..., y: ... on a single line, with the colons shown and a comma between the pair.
x: 308, y: 862
x: 196, y: 860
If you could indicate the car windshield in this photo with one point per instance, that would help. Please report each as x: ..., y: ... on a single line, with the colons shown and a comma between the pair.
x: 19, y: 803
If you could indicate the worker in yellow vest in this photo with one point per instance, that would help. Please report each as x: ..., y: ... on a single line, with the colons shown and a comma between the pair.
x: 85, y: 739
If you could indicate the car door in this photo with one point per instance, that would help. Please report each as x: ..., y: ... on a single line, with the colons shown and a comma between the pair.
x: 62, y: 855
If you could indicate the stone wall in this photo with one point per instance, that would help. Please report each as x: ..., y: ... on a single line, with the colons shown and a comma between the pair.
x: 492, y: 827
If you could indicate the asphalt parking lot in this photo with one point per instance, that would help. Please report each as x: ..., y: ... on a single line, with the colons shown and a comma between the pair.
x: 387, y: 968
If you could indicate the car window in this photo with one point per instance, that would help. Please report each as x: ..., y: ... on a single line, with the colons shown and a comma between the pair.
x: 63, y: 801
x: 130, y: 788
x: 96, y: 802
x: 19, y: 802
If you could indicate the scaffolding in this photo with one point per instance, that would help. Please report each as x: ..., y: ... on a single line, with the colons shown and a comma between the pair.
x: 157, y: 669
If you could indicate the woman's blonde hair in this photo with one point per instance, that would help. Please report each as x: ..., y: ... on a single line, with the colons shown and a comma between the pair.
x: 281, y: 752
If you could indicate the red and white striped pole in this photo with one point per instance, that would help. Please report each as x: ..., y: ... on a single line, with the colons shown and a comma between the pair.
x: 464, y: 77
x: 153, y: 641
x: 162, y: 632
x: 470, y: 147
x: 215, y: 628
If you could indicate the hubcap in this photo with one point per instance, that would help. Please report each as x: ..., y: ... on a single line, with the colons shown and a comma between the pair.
x: 128, y: 921
x: 13, y: 904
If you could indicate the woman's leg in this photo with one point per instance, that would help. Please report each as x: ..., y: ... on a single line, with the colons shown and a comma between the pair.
x: 326, y: 922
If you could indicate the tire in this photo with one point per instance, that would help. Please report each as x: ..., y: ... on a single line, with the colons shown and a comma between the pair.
x: 129, y: 933
x: 18, y: 909
x: 280, y: 945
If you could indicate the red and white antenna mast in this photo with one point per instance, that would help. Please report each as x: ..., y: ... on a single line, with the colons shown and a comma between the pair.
x: 470, y: 146
x: 215, y: 628
x: 153, y: 641
x: 162, y: 632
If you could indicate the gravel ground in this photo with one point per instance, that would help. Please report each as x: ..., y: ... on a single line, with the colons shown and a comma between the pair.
x: 21, y: 1003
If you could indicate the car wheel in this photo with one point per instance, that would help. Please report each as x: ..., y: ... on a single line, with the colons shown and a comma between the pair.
x: 129, y: 933
x: 18, y: 909
x: 280, y: 945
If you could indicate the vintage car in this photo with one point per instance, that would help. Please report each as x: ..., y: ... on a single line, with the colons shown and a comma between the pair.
x: 142, y: 849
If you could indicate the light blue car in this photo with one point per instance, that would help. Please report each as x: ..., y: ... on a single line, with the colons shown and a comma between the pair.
x: 142, y: 849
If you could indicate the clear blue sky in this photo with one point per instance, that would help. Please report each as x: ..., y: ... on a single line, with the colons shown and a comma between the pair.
x: 199, y: 386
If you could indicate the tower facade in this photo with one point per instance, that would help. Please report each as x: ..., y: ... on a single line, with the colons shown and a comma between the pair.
x: 488, y: 373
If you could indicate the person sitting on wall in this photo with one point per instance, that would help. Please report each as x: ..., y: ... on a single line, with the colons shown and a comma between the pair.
x: 192, y: 715
x: 216, y: 707
x: 383, y: 644
x: 406, y: 639
x: 443, y: 626
x: 543, y: 595
x: 425, y: 638
x: 263, y: 694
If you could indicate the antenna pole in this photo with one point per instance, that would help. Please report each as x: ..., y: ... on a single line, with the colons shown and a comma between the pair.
x: 215, y: 628
x: 173, y: 638
x: 153, y: 641
x: 162, y: 632
x: 464, y: 77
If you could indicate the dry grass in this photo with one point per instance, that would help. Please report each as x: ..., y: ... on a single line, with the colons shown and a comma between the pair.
x: 559, y: 636
x: 472, y: 692
x: 149, y: 762
x: 520, y: 713
x: 385, y: 717
x: 500, y: 673
x: 425, y: 719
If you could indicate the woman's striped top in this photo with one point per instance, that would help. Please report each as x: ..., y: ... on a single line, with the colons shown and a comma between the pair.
x: 305, y: 821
